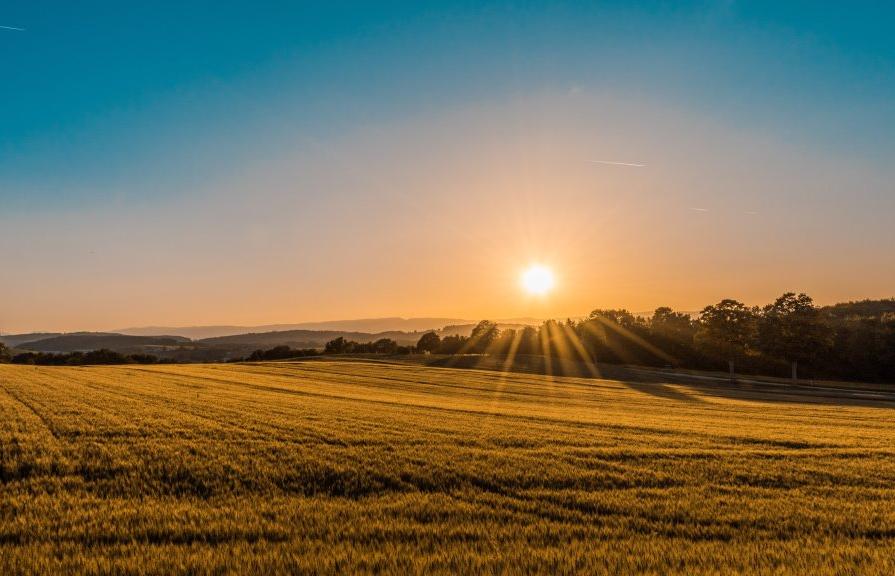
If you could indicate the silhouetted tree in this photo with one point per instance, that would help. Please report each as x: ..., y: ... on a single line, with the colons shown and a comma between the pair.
x: 791, y: 329
x: 335, y: 346
x: 102, y: 356
x: 143, y: 359
x: 857, y: 339
x: 24, y: 358
x: 674, y: 332
x: 429, y: 342
x: 280, y: 353
x: 621, y: 318
x: 528, y: 341
x: 385, y: 346
x: 552, y: 339
x: 672, y: 325
x: 727, y: 329
x: 483, y: 334
x: 613, y: 336
x: 505, y: 343
x: 4, y: 353
x: 453, y: 344
x: 863, y: 342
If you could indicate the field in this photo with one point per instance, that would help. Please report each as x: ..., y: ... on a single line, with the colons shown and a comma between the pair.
x: 342, y: 466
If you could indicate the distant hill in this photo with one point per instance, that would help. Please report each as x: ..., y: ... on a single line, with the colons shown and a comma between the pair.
x: 380, y: 325
x: 302, y: 338
x: 319, y: 338
x: 862, y: 309
x: 196, y: 332
x: 86, y: 341
x: 218, y: 348
x: 215, y: 343
x: 367, y: 325
x: 13, y: 340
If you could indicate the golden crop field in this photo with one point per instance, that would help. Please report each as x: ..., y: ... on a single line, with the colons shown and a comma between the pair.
x: 341, y: 466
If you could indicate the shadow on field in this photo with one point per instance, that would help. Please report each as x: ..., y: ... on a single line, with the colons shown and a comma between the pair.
x: 660, y: 390
x: 663, y: 383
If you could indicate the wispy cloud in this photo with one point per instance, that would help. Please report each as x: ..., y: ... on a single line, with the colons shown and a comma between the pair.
x: 615, y: 163
x: 16, y: 28
x: 748, y: 212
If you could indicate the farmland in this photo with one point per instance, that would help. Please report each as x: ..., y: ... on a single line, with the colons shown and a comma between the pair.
x: 337, y: 466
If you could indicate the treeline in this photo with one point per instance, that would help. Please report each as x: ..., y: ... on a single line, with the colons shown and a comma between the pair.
x: 382, y: 346
x: 790, y: 336
x: 279, y: 353
x: 102, y: 356
x: 335, y: 346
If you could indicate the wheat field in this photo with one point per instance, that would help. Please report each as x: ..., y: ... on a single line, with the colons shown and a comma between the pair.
x: 362, y: 466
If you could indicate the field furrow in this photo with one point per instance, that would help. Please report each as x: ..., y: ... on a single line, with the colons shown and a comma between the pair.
x: 341, y: 466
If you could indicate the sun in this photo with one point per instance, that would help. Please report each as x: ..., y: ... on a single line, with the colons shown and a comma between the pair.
x: 538, y: 280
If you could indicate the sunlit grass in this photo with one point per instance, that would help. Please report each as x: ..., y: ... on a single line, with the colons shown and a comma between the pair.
x: 371, y: 466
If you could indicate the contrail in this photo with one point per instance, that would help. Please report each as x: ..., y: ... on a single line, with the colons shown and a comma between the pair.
x: 12, y: 28
x: 614, y: 163
x: 700, y: 209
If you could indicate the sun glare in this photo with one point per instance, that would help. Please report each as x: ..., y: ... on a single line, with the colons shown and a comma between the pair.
x: 538, y: 280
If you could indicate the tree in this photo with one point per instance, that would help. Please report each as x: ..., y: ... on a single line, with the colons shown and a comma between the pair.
x: 429, y: 342
x: 385, y: 346
x: 528, y: 341
x: 453, y: 344
x: 727, y: 329
x: 484, y: 333
x: 105, y: 356
x: 673, y: 325
x: 791, y: 329
x: 614, y: 336
x: 4, y: 353
x: 143, y: 358
x: 24, y: 358
x: 673, y: 332
x: 506, y: 343
x: 335, y: 346
x: 281, y: 352
x: 621, y: 318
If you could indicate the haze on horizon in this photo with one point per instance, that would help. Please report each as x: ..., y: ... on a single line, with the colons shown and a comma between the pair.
x: 226, y: 164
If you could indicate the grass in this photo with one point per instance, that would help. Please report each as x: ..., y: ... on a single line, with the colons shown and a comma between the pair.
x: 337, y: 466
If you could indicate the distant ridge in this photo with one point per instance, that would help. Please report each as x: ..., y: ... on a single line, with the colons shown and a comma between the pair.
x: 14, y: 340
x: 367, y: 325
x: 86, y: 341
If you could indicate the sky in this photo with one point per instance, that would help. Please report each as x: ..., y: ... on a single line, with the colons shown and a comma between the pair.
x: 194, y: 163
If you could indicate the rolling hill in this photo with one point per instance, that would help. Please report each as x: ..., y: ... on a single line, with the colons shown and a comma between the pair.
x: 368, y: 325
x: 302, y: 339
x: 13, y: 340
x: 364, y: 325
x: 94, y: 341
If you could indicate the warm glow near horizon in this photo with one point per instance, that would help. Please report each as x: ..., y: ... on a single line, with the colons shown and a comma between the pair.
x: 278, y: 177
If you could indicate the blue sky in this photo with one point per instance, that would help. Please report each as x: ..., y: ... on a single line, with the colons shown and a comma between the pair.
x: 102, y: 98
x: 121, y: 112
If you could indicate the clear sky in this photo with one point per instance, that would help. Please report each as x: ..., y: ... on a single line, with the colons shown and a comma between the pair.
x: 177, y: 163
